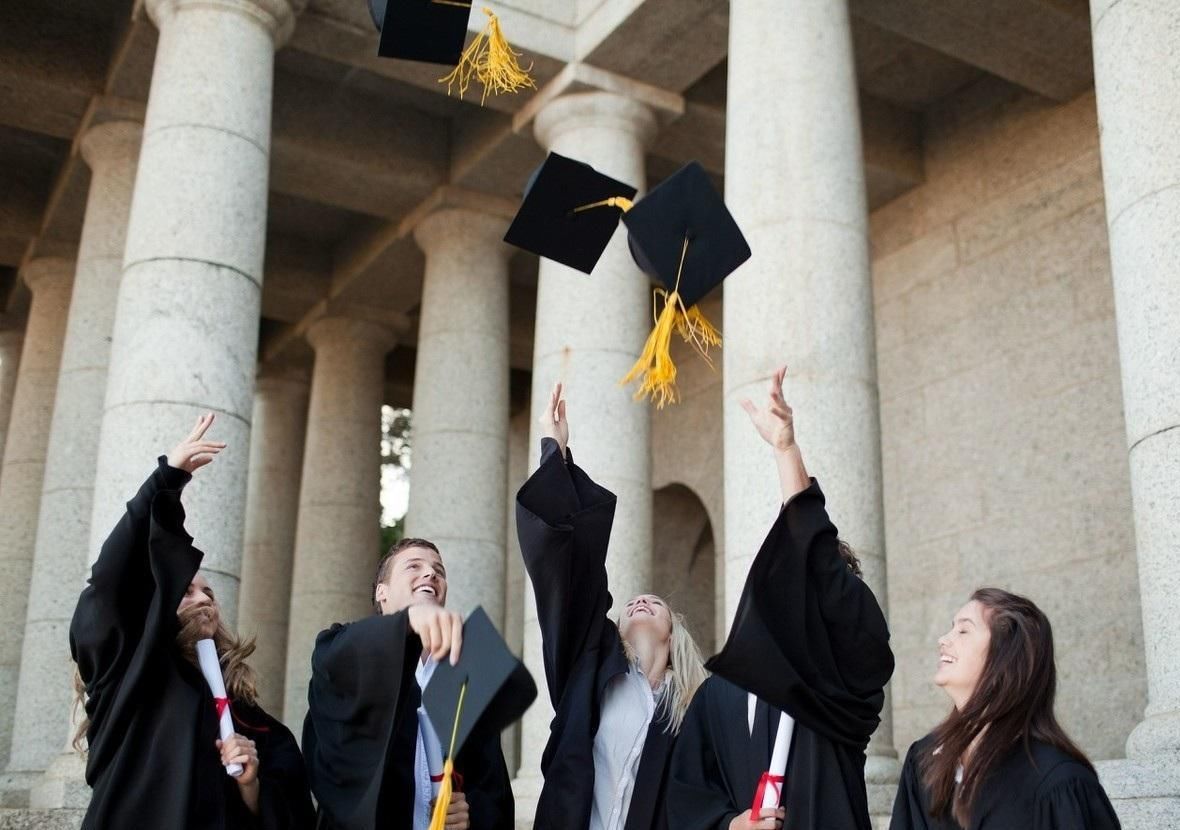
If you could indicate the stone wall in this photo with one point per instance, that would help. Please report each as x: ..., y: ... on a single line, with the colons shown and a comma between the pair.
x: 1001, y: 407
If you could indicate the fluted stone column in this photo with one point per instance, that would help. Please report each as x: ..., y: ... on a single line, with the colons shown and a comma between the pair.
x: 461, y: 404
x: 337, y: 537
x: 10, y: 343
x: 63, y: 531
x: 794, y: 180
x: 590, y: 330
x: 23, y: 470
x: 1137, y: 79
x: 272, y: 508
x: 186, y: 328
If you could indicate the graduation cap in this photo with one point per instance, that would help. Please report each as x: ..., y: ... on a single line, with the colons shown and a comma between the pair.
x: 569, y: 212
x: 488, y: 690
x: 433, y: 31
x: 682, y: 234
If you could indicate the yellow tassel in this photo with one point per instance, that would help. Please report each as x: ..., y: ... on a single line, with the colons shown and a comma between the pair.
x: 655, y: 369
x: 493, y: 63
x: 438, y: 819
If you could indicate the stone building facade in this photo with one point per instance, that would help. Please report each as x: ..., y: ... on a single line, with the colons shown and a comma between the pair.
x: 963, y: 223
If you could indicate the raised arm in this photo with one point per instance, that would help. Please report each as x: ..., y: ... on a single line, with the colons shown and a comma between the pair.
x: 563, y: 521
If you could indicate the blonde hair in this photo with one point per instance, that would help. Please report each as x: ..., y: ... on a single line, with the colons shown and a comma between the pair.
x: 685, y: 672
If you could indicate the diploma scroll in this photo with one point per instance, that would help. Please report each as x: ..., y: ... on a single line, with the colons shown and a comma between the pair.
x: 211, y: 668
x: 769, y: 793
x: 433, y: 749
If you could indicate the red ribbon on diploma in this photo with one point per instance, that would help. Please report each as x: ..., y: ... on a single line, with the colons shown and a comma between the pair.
x: 767, y: 780
x: 222, y: 703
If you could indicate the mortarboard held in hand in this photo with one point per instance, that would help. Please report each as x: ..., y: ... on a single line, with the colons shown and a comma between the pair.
x: 560, y: 218
x: 486, y: 691
x: 433, y: 31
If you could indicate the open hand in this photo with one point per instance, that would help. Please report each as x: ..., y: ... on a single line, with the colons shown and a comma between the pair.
x: 194, y: 451
x: 553, y: 422
x: 769, y: 821
x: 440, y: 630
x: 775, y: 423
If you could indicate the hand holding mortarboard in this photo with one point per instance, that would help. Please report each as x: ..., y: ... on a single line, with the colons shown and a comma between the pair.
x: 440, y: 630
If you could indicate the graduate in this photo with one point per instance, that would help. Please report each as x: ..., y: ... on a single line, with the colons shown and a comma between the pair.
x: 808, y: 657
x: 372, y: 753
x: 621, y: 689
x: 155, y: 757
x: 1000, y: 760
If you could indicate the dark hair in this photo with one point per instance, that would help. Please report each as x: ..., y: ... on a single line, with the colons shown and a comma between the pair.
x: 1012, y: 702
x: 849, y: 556
x: 386, y: 562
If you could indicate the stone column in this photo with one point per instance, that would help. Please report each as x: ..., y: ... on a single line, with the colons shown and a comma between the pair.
x: 272, y: 508
x: 461, y: 404
x: 1138, y: 104
x: 186, y: 326
x: 805, y: 298
x: 337, y: 535
x: 10, y: 343
x: 63, y: 531
x: 22, y: 474
x: 590, y: 330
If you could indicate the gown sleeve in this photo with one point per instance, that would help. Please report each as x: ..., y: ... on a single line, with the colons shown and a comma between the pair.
x: 909, y: 811
x: 487, y: 785
x: 284, y: 800
x: 563, y: 521
x: 809, y: 636
x: 1071, y: 798
x: 697, y: 796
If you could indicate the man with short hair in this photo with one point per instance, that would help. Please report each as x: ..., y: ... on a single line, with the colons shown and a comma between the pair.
x: 367, y: 741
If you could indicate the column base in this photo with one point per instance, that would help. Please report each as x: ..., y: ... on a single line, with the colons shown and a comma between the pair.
x: 526, y: 789
x: 881, y: 776
x: 1145, y: 791
x: 14, y: 788
x: 62, y: 786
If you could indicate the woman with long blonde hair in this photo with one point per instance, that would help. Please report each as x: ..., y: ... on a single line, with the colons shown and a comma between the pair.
x: 620, y: 688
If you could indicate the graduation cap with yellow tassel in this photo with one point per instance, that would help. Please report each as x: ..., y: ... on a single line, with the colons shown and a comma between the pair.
x: 434, y: 31
x: 680, y: 233
x: 486, y: 691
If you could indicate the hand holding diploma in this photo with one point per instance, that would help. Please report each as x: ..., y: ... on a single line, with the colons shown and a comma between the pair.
x: 769, y: 793
x: 211, y: 668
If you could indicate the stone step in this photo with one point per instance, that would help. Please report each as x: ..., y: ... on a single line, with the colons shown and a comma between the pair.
x: 26, y: 819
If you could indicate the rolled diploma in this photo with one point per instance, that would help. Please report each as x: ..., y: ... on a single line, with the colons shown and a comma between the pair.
x: 772, y: 795
x: 433, y: 749
x: 211, y: 668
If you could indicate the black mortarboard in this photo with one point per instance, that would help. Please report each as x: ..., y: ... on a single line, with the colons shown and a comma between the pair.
x: 498, y: 687
x: 568, y: 213
x: 685, y: 206
x: 421, y: 30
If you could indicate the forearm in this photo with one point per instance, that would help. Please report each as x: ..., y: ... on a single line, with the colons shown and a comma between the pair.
x: 792, y: 474
x: 250, y: 795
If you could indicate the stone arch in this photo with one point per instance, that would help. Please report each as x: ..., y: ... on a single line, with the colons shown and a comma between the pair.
x: 684, y: 560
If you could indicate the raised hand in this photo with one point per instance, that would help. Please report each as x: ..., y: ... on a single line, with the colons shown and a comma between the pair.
x: 553, y: 422
x: 194, y: 451
x: 440, y: 630
x: 775, y: 423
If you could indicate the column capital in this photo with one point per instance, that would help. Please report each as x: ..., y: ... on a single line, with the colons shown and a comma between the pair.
x: 463, y: 227
x: 332, y: 331
x: 583, y: 110
x: 276, y: 16
x: 48, y: 274
x: 112, y: 142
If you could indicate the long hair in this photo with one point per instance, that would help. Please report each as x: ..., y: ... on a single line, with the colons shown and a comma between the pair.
x: 241, y: 681
x: 685, y: 672
x: 1012, y: 703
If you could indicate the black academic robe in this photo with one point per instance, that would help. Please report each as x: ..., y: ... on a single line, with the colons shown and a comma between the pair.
x: 563, y: 520
x: 1039, y: 788
x: 809, y: 639
x: 152, y: 758
x: 361, y: 732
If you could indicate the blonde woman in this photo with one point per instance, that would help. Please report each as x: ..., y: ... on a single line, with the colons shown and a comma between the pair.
x: 620, y: 688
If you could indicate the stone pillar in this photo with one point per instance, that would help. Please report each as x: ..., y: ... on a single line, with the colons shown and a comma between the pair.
x: 21, y: 476
x: 186, y: 326
x: 46, y: 690
x: 805, y: 298
x: 1138, y: 104
x: 461, y: 404
x: 589, y: 332
x: 272, y: 508
x: 10, y: 343
x: 337, y: 537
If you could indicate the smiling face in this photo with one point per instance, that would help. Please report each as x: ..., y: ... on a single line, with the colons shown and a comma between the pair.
x: 962, y: 653
x: 646, y: 613
x: 416, y: 576
x: 199, y: 607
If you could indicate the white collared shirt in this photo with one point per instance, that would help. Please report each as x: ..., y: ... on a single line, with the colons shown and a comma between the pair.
x: 427, y: 746
x: 628, y: 706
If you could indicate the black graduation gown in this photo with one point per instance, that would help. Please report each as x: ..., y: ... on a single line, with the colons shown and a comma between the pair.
x: 361, y: 732
x: 564, y: 520
x: 809, y: 639
x: 1049, y: 791
x: 152, y: 758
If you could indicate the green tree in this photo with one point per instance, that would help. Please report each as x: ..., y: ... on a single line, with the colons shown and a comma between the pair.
x: 396, y: 444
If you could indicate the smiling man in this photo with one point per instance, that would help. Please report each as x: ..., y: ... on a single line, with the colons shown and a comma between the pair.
x: 368, y: 743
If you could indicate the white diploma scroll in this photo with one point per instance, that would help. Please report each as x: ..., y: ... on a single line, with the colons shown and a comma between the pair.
x: 211, y: 668
x: 770, y: 789
x: 433, y: 749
